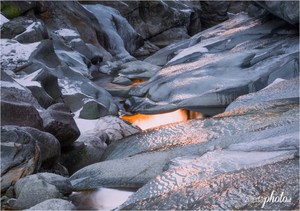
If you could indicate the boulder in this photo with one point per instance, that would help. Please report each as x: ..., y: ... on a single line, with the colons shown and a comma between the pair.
x: 86, y: 150
x: 279, y: 91
x: 18, y: 106
x: 222, y: 67
x: 24, y: 30
x: 287, y: 10
x: 15, y: 55
x: 114, y: 128
x: 138, y: 70
x: 154, y: 17
x: 213, y: 13
x: 146, y: 50
x: 170, y: 36
x: 20, y: 155
x: 54, y: 204
x: 21, y: 114
x: 91, y: 109
x: 12, y: 9
x: 59, y: 122
x: 49, y: 147
x: 139, y: 158
x: 188, y: 187
x: 39, y: 93
x: 119, y: 34
x: 118, y: 40
x: 35, y: 189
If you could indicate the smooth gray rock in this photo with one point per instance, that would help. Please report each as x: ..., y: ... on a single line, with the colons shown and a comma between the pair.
x: 21, y: 114
x: 35, y: 31
x: 58, y: 121
x: 35, y: 189
x: 188, y: 188
x: 61, y: 183
x: 87, y: 149
x: 277, y: 91
x: 121, y: 38
x: 49, y: 147
x: 196, y: 131
x: 54, y: 204
x: 208, y: 76
x: 13, y: 91
x: 138, y: 70
x: 41, y: 95
x: 141, y: 157
x: 92, y: 110
x: 20, y: 155
x: 287, y: 10
x: 115, y: 128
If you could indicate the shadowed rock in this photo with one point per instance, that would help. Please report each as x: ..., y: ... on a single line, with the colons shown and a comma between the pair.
x: 287, y: 10
x: 59, y: 122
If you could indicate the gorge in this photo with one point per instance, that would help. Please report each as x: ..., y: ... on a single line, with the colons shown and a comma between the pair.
x: 171, y: 105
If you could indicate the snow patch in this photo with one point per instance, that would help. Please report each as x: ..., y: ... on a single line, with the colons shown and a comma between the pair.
x: 66, y: 32
x: 9, y: 84
x: 31, y: 27
x: 28, y: 79
x: 85, y: 125
x: 69, y: 88
x: 3, y: 19
x: 14, y: 52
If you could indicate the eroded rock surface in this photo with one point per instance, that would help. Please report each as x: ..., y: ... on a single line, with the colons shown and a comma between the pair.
x: 239, y: 56
x: 145, y: 155
x: 20, y: 155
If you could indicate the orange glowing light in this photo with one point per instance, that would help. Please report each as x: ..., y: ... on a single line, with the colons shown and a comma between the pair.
x: 145, y: 121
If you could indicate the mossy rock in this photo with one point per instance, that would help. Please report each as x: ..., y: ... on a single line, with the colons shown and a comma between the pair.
x: 13, y: 9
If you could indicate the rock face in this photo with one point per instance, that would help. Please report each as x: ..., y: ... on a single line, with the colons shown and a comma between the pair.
x: 287, y: 10
x: 120, y: 37
x: 213, y: 13
x: 59, y: 122
x: 154, y: 17
x: 147, y: 154
x: 185, y: 192
x: 20, y: 155
x: 12, y: 9
x: 229, y: 61
x: 89, y: 147
x: 277, y: 92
